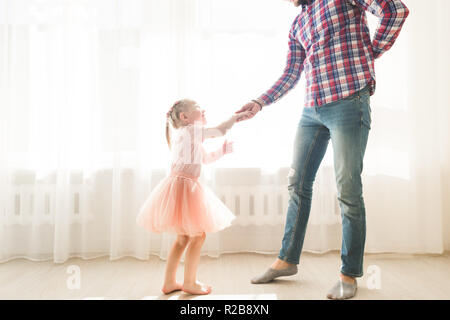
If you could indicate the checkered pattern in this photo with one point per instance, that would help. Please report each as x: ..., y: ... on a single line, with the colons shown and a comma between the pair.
x: 330, y: 41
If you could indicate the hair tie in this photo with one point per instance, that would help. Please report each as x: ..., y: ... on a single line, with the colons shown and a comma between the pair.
x: 169, y: 112
x: 171, y: 108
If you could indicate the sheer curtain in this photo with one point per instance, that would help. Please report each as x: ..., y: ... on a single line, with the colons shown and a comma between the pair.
x: 84, y: 88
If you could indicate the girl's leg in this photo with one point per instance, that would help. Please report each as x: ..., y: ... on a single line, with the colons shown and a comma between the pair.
x: 191, y: 285
x: 170, y: 283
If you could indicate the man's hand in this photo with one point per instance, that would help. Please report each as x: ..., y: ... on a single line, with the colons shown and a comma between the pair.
x: 248, y: 111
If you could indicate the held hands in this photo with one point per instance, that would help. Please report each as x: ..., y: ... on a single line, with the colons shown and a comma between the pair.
x: 236, y: 117
x: 248, y: 111
x: 240, y: 115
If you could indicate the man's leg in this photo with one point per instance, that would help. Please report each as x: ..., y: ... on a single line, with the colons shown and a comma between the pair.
x: 309, y: 149
x: 310, y: 145
x: 349, y: 129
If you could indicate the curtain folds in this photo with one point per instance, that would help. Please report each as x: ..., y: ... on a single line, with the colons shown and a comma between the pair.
x: 84, y: 88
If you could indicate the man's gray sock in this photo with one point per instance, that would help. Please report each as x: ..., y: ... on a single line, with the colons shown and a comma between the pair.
x: 271, y: 274
x: 342, y: 290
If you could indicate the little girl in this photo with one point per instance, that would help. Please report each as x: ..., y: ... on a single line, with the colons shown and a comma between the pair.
x: 180, y: 203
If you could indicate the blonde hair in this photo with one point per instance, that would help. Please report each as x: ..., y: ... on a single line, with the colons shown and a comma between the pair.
x: 173, y: 116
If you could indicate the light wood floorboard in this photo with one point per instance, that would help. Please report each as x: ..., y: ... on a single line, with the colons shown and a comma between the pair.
x: 402, y: 276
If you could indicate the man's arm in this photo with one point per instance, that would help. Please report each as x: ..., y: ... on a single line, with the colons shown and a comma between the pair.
x: 392, y: 13
x: 291, y: 73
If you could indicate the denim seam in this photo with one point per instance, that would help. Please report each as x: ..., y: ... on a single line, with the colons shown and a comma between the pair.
x: 299, y: 198
x: 360, y: 148
x: 362, y: 161
x: 360, y: 115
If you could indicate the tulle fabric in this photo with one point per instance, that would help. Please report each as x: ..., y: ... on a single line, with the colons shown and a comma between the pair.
x: 181, y: 204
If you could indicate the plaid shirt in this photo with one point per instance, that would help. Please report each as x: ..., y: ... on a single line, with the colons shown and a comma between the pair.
x: 330, y: 41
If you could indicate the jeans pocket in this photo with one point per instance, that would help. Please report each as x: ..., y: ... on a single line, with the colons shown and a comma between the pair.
x: 352, y: 97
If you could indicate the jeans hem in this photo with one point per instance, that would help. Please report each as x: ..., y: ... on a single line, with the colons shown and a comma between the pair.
x: 350, y: 274
x: 287, y: 260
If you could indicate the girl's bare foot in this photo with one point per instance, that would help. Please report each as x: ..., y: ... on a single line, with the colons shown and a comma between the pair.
x: 196, y: 288
x: 171, y: 287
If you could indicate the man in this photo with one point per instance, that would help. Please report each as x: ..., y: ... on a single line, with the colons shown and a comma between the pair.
x: 329, y: 40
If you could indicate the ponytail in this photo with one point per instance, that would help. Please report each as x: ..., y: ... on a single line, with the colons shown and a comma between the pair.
x: 168, y: 133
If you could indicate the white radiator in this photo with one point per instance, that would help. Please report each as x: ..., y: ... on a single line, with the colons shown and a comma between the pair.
x: 255, y: 199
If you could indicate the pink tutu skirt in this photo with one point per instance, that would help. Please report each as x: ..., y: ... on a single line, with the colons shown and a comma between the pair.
x: 183, y: 205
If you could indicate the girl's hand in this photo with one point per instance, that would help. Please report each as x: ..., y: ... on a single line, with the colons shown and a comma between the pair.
x: 227, y: 147
x: 235, y: 116
x: 248, y: 111
x: 242, y: 115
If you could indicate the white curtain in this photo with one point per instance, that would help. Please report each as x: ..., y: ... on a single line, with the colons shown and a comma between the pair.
x: 84, y: 88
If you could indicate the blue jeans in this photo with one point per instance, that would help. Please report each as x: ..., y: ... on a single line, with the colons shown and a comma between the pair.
x: 347, y: 122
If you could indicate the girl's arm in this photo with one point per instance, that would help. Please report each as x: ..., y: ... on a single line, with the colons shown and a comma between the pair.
x: 222, y: 128
x: 227, y: 147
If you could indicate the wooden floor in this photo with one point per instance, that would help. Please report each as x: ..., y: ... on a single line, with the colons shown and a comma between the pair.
x: 401, y: 276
